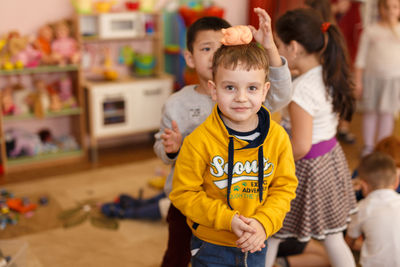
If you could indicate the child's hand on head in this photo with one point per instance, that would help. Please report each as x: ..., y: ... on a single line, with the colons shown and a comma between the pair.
x: 239, y: 227
x: 172, y: 138
x: 252, y: 241
x: 263, y: 34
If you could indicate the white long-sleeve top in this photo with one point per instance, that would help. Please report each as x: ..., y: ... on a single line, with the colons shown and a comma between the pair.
x: 379, y: 51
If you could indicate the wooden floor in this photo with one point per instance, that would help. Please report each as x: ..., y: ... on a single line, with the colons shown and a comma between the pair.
x: 143, y: 149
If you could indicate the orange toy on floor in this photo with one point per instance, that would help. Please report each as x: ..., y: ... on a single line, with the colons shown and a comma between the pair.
x: 18, y: 205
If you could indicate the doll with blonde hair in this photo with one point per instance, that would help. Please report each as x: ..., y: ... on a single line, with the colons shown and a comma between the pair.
x: 65, y: 48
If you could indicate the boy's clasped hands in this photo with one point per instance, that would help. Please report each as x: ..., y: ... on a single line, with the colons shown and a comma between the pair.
x: 251, y: 233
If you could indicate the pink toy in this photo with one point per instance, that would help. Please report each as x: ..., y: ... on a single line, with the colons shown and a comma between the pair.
x: 29, y: 57
x: 65, y: 49
x: 237, y: 35
x: 21, y: 52
x: 66, y: 96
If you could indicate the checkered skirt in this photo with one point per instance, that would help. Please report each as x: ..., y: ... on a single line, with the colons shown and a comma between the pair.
x: 324, y: 198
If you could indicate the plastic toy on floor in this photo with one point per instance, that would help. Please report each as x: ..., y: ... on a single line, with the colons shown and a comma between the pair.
x: 21, y: 206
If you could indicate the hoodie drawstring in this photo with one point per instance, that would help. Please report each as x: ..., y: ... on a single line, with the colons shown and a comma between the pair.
x: 230, y: 171
x: 260, y: 172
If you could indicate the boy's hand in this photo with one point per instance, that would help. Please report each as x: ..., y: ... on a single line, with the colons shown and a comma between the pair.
x: 264, y: 33
x: 239, y: 227
x: 172, y: 138
x: 255, y: 241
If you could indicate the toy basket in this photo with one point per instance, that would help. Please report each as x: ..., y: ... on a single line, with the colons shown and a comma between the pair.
x: 145, y: 64
x: 17, y: 250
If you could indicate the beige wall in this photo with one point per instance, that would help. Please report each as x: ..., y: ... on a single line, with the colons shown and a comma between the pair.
x: 27, y: 16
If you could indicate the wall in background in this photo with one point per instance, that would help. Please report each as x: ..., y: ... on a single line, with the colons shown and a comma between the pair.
x: 27, y: 16
x: 235, y: 11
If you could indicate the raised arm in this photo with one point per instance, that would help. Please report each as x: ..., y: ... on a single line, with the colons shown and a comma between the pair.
x: 280, y: 92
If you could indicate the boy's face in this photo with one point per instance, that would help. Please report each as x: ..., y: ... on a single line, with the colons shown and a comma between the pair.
x: 204, y: 47
x: 239, y: 94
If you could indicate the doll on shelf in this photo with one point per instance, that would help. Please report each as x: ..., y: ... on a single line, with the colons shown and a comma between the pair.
x: 21, y: 99
x: 65, y: 48
x: 43, y: 43
x: 7, y: 101
x: 41, y: 100
x: 20, y: 52
x: 55, y: 102
x: 65, y: 92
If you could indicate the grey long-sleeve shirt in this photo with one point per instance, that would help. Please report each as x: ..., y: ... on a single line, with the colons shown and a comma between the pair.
x: 189, y: 109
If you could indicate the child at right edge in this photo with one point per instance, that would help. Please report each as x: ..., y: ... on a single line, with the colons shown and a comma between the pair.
x: 189, y: 107
x: 378, y: 217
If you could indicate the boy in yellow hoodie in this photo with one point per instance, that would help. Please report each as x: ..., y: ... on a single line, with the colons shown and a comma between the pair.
x: 231, y: 206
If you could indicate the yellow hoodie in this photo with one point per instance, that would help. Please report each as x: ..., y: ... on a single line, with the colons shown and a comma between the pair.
x: 216, y: 176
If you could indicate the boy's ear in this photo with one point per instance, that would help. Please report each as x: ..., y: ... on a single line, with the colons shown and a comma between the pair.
x: 213, y: 90
x: 365, y: 188
x: 189, y: 59
x: 267, y: 85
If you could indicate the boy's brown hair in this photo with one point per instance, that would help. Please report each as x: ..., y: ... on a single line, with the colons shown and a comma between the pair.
x: 390, y: 146
x: 204, y: 24
x: 249, y: 56
x: 378, y: 170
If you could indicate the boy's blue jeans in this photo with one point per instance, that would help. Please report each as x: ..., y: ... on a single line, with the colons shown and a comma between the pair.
x: 210, y: 255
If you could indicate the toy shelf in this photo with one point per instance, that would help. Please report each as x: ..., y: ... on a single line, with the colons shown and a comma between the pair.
x: 64, y: 112
x: 40, y: 69
x: 42, y: 159
x: 65, y: 122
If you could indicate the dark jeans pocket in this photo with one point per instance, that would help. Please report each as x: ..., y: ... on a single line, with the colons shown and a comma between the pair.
x: 196, y: 245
